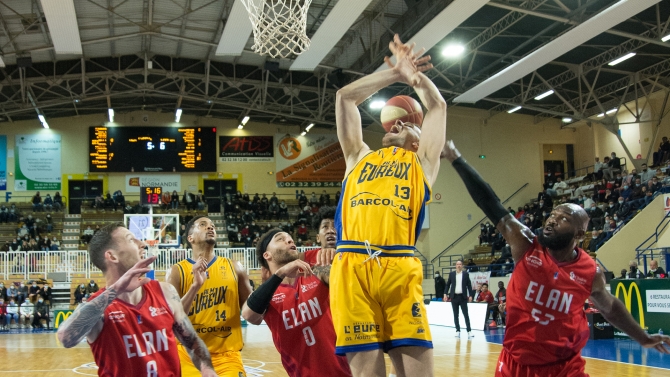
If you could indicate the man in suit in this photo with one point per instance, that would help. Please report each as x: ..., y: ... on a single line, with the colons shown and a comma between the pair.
x: 459, y: 289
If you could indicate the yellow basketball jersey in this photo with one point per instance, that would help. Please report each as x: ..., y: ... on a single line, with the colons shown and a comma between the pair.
x: 215, y: 312
x: 383, y: 202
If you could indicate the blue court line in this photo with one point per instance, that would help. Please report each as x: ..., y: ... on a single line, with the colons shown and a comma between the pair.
x: 620, y: 350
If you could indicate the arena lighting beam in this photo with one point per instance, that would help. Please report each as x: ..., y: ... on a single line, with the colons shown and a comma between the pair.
x: 333, y: 28
x: 236, y: 32
x: 2, y: 62
x: 62, y: 20
x: 577, y: 36
x: 444, y: 23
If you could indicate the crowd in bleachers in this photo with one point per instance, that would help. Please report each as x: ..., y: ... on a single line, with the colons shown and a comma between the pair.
x: 25, y: 306
x: 247, y: 218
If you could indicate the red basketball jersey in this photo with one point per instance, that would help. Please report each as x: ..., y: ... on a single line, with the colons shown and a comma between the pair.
x: 310, y: 256
x: 546, y: 322
x: 302, y: 329
x: 137, y: 340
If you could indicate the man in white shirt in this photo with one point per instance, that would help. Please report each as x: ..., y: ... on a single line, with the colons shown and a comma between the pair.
x: 597, y: 166
x: 560, y: 186
x: 646, y: 174
x: 459, y: 290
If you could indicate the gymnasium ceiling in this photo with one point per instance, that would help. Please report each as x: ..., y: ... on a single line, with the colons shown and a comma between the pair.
x: 162, y: 55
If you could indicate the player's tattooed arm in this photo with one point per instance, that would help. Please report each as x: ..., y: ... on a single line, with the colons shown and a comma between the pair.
x: 86, y: 320
x: 184, y: 331
x: 323, y: 273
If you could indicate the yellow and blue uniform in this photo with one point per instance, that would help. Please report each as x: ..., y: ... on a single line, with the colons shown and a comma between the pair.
x: 375, y: 281
x: 215, y: 315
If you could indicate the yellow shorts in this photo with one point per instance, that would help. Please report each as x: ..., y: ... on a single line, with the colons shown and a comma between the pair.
x: 226, y: 364
x: 377, y: 307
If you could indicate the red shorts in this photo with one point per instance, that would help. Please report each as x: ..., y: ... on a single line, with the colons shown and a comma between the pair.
x: 508, y: 367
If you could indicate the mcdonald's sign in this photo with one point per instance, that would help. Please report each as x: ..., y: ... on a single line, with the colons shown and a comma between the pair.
x: 628, y: 298
x: 61, y: 316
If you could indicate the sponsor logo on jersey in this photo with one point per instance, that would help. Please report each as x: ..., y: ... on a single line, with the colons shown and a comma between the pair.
x: 148, y: 343
x: 139, y: 319
x: 278, y: 297
x: 117, y: 316
x: 395, y: 169
x: 308, y: 286
x: 155, y: 312
x: 553, y: 299
x: 371, y: 199
x: 416, y: 310
x: 420, y: 330
x: 576, y: 278
x: 306, y: 311
x: 534, y: 261
x: 555, y: 275
x: 208, y: 298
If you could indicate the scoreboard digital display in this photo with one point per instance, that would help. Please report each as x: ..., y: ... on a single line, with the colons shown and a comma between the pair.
x: 151, y: 195
x: 152, y: 149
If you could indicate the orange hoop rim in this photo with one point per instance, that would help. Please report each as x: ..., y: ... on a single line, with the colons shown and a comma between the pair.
x: 151, y: 242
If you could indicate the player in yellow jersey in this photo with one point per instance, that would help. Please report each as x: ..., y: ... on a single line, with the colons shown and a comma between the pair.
x: 376, y: 295
x: 212, y: 291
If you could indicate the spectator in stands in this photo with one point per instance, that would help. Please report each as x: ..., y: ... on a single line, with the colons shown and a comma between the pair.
x: 33, y: 291
x: 4, y: 214
x: 232, y: 232
x: 655, y: 185
x: 13, y: 213
x: 79, y: 294
x: 485, y: 295
x: 273, y: 211
x: 88, y: 234
x: 274, y: 199
x: 440, y: 284
x: 597, y: 170
x: 639, y: 194
x: 596, y: 216
x: 283, y: 210
x: 324, y: 199
x: 23, y: 231
x: 302, y: 232
x: 13, y: 313
x: 499, y: 298
x: 92, y: 287
x: 3, y: 315
x: 313, y: 199
x: 37, y: 202
x: 23, y: 293
x: 41, y: 313
x: 99, y: 202
x: 49, y: 223
x: 497, y: 242
x: 248, y: 216
x: 633, y: 271
x: 120, y: 200
x: 655, y: 271
x: 610, y: 196
x: 3, y: 291
x: 663, y: 152
x: 600, y: 190
x: 264, y: 201
x: 626, y: 193
x: 200, y: 200
x: 189, y: 200
x: 48, y: 203
x: 58, y: 201
x: 13, y: 292
x: 613, y: 167
x: 245, y: 199
x: 483, y: 235
x: 46, y: 293
x: 648, y: 198
x: 471, y: 267
x: 55, y: 244
x: 597, y: 236
x: 302, y: 200
x: 558, y: 187
x: 256, y: 198
x: 174, y: 200
x: 108, y: 202
x: 646, y: 174
x: 26, y: 311
x: 545, y: 199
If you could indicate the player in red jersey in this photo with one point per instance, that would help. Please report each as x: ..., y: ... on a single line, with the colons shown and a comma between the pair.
x: 131, y: 325
x: 324, y: 222
x: 296, y: 305
x: 546, y: 323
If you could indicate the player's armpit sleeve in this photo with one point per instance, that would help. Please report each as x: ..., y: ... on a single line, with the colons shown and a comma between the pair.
x: 260, y: 299
x: 480, y: 191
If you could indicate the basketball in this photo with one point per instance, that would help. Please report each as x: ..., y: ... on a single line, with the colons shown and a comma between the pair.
x: 405, y: 108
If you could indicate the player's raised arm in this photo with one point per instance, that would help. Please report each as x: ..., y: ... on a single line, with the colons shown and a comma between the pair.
x: 184, y: 331
x: 243, y: 285
x: 87, y: 320
x: 434, y: 128
x: 516, y: 234
x: 188, y: 294
x: 615, y: 313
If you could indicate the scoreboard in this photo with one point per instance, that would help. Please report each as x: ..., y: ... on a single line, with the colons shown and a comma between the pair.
x: 152, y: 149
x: 151, y: 195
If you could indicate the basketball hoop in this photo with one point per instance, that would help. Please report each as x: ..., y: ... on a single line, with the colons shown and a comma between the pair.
x: 152, y: 247
x: 279, y: 26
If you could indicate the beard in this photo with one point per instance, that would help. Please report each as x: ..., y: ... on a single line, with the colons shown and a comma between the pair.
x: 284, y: 257
x: 555, y: 241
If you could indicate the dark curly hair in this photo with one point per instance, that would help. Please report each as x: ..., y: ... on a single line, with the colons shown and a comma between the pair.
x: 325, y: 212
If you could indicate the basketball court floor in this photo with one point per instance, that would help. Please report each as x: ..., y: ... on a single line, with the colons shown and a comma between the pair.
x: 28, y: 354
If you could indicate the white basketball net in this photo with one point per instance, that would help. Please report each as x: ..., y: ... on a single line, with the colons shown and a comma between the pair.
x: 279, y: 26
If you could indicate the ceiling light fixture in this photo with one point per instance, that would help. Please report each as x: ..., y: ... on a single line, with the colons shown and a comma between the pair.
x: 453, y: 50
x: 544, y: 95
x: 567, y: 120
x: 666, y: 38
x: 309, y: 127
x: 625, y: 57
x: 303, y: 133
x: 177, y: 116
x: 110, y: 114
x: 44, y: 121
x: 240, y: 126
x: 608, y: 112
x: 377, y: 104
x: 245, y: 120
x: 514, y: 110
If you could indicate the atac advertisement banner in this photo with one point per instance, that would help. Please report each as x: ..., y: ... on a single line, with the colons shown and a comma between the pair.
x: 312, y: 160
x: 246, y: 148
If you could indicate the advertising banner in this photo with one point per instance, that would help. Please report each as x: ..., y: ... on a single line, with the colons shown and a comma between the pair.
x: 479, y: 278
x: 312, y: 160
x: 169, y: 182
x: 37, y: 162
x: 648, y: 301
x: 246, y: 148
x: 3, y: 162
x: 60, y: 316
x: 658, y: 301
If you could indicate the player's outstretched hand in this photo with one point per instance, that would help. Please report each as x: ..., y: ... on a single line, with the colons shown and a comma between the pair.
x: 132, y: 279
x: 658, y: 342
x: 294, y: 269
x: 408, y: 62
x: 325, y: 256
x: 450, y: 152
x: 200, y: 272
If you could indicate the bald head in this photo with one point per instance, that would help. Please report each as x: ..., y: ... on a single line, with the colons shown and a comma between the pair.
x: 579, y: 216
